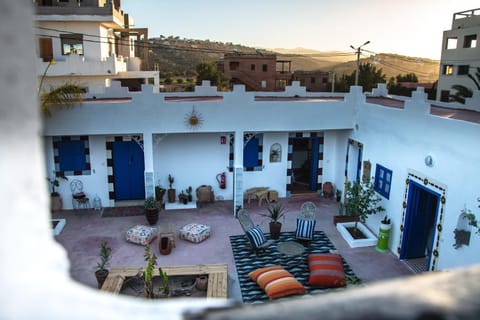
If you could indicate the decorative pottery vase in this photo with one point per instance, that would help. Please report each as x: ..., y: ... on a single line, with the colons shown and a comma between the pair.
x: 201, y: 283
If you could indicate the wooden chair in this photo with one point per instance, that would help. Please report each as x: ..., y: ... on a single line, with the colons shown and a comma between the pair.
x: 248, y: 227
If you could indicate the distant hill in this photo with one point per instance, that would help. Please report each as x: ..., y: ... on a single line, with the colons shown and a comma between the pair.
x: 179, y: 57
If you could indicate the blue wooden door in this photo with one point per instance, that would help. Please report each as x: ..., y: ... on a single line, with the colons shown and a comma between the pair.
x: 422, y: 207
x: 314, y: 164
x: 128, y: 170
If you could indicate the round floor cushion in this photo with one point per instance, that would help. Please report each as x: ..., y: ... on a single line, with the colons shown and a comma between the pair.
x: 194, y: 232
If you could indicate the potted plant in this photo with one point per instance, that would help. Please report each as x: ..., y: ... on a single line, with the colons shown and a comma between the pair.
x: 338, y: 195
x: 182, y: 197
x: 56, y: 202
x: 151, y: 210
x: 189, y: 193
x: 361, y: 200
x: 171, y: 191
x: 159, y: 193
x: 101, y: 272
x: 275, y: 212
x: 384, y: 235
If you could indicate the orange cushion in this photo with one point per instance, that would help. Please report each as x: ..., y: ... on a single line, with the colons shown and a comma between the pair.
x: 277, y: 282
x: 326, y: 270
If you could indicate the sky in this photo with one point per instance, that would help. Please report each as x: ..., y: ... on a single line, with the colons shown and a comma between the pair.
x: 407, y: 27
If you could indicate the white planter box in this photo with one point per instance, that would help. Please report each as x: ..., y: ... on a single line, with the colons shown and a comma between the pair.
x: 371, y: 239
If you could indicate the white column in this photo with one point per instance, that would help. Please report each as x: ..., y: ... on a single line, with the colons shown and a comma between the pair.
x: 148, y: 159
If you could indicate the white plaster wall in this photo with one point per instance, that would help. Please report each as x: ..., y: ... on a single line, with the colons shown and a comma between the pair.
x: 400, y: 140
x: 193, y: 160
x: 335, y: 149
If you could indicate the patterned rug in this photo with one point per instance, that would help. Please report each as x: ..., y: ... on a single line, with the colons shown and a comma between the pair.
x: 126, y: 211
x: 246, y: 261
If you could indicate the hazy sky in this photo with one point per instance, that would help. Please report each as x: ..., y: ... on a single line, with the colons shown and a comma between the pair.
x: 408, y: 27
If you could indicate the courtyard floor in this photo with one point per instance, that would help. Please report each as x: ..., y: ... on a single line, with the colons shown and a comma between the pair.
x: 85, y: 229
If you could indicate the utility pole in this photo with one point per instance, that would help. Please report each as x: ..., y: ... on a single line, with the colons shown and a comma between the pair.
x: 358, y: 59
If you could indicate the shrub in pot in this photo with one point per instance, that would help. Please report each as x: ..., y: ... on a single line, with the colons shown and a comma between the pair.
x: 171, y: 191
x: 275, y: 213
x: 151, y: 210
x: 101, y: 272
x: 361, y: 200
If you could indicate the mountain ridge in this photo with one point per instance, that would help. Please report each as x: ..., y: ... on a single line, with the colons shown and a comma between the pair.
x: 176, y: 57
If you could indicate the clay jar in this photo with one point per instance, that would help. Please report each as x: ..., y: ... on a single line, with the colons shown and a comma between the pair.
x: 201, y: 283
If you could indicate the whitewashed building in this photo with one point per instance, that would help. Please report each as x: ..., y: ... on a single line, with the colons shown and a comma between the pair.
x: 460, y: 53
x: 90, y: 43
x: 422, y: 153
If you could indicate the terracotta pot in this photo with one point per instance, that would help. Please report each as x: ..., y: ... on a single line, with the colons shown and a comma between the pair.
x: 171, y: 195
x: 56, y: 202
x: 152, y: 215
x: 201, y: 283
x: 101, y: 276
x: 275, y: 228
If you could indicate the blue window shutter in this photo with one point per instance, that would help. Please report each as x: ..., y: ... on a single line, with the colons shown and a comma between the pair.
x: 71, y: 155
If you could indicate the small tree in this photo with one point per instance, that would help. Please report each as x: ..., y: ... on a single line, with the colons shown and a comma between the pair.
x: 361, y: 200
x: 62, y: 97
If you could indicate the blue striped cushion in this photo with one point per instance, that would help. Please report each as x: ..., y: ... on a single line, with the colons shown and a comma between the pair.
x: 256, y: 237
x: 305, y: 229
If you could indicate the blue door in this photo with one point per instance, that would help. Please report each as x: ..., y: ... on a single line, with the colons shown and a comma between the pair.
x: 314, y: 164
x: 422, y: 207
x: 128, y: 170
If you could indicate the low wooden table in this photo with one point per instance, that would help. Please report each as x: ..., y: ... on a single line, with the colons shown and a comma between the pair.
x: 217, y: 277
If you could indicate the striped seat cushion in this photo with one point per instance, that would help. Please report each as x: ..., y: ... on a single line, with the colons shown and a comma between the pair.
x: 305, y: 229
x: 256, y: 237
x: 326, y: 270
x: 277, y: 282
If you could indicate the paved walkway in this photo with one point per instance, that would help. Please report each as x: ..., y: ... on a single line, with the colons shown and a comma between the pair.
x: 85, y: 229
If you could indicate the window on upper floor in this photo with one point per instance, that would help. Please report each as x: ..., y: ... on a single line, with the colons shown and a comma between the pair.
x: 264, y: 67
x: 383, y: 180
x: 447, y: 69
x: 324, y: 80
x: 312, y: 80
x: 233, y: 65
x: 252, y: 67
x: 470, y: 41
x: 451, y: 43
x: 463, y: 69
x: 72, y: 43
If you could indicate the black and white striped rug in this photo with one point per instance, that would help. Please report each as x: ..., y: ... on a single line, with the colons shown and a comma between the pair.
x: 247, y: 261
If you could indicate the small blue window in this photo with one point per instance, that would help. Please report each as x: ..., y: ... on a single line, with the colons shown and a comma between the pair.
x: 71, y: 155
x: 383, y: 180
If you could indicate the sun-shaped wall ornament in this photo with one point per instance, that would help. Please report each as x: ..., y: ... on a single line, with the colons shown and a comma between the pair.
x: 193, y: 119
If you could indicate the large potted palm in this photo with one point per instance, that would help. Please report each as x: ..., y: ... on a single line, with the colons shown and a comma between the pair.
x: 275, y: 213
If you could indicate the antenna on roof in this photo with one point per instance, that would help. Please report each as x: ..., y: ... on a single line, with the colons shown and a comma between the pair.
x: 258, y: 51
